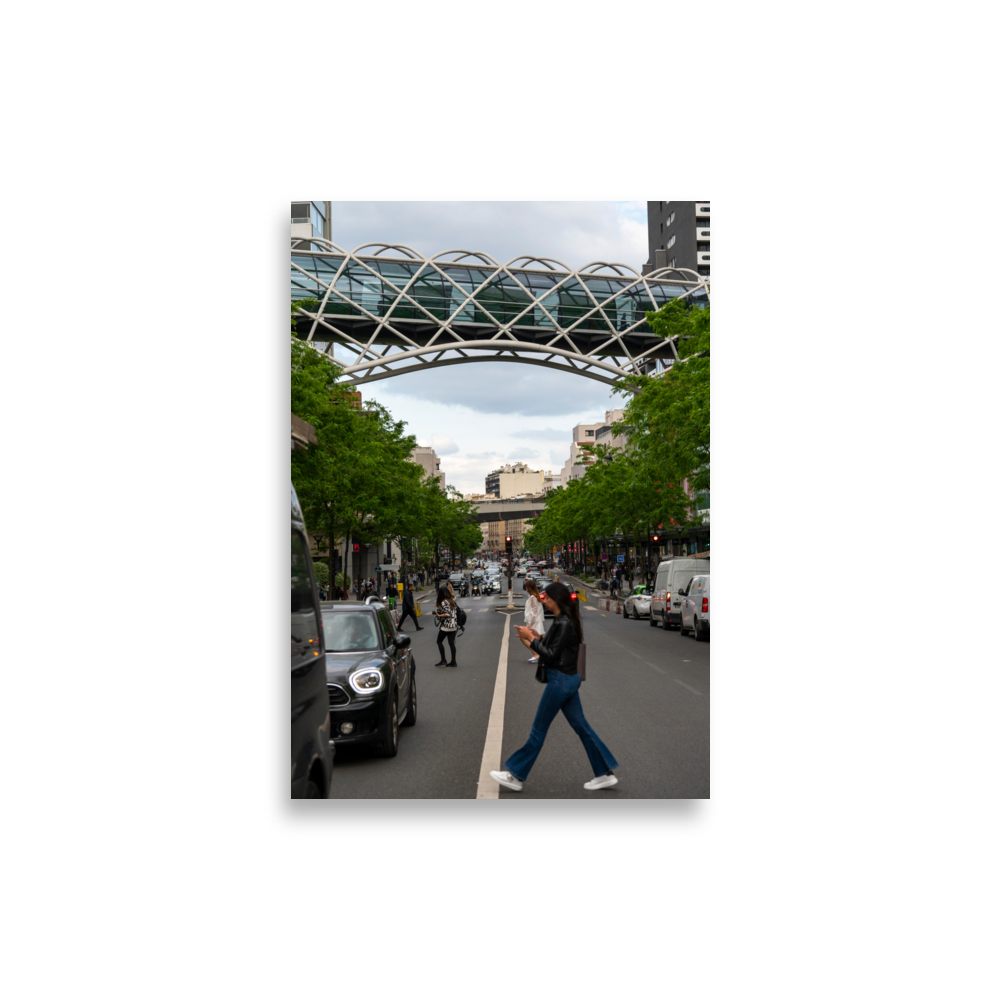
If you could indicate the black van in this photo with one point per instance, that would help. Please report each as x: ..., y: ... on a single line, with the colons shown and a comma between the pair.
x: 312, y: 751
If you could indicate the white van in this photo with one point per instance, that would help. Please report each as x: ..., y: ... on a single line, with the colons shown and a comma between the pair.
x: 671, y: 576
x: 694, y: 607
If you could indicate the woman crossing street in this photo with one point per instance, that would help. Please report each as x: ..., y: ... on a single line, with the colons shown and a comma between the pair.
x: 558, y: 651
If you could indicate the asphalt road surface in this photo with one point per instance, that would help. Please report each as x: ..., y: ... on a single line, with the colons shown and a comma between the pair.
x: 646, y: 696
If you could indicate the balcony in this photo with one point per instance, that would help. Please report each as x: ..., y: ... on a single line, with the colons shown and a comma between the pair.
x: 702, y: 235
x: 704, y: 259
x: 702, y: 210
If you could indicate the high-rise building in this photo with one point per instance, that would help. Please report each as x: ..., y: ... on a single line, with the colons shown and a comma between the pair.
x: 679, y: 235
x: 606, y: 434
x: 513, y: 480
x: 576, y: 464
x: 311, y: 219
x: 427, y: 457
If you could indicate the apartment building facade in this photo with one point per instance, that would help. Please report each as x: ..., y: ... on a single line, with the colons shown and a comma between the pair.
x: 679, y: 234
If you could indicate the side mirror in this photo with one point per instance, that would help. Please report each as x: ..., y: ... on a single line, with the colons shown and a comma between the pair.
x: 401, y: 641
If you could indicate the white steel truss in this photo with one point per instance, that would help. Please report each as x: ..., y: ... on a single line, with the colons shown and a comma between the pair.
x: 361, y: 309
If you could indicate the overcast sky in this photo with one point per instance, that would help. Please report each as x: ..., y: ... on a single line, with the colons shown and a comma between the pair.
x: 478, y: 416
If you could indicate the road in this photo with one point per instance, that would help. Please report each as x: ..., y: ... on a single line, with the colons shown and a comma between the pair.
x: 646, y: 695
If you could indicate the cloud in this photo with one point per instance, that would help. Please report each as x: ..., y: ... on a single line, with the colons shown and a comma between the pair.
x: 523, y: 453
x: 504, y: 387
x: 441, y: 443
x: 545, y: 433
x: 573, y: 232
x: 558, y: 456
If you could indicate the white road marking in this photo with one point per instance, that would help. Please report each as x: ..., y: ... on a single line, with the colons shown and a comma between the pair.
x: 488, y: 788
x: 688, y: 686
x: 659, y: 670
x: 484, y: 611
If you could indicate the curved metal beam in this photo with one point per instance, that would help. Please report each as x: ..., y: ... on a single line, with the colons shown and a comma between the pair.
x: 493, y: 357
x: 488, y: 345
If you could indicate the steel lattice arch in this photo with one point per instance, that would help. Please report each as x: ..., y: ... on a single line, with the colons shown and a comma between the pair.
x: 394, y: 310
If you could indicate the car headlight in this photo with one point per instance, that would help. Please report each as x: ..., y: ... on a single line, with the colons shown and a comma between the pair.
x: 367, y: 681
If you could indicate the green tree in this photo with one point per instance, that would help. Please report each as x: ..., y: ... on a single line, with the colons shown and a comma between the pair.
x: 668, y: 417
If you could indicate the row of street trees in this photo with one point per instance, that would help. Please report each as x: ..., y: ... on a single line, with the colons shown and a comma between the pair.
x: 659, y: 476
x: 357, y: 482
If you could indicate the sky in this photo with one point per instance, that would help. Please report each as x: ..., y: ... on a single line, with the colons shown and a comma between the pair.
x: 479, y: 416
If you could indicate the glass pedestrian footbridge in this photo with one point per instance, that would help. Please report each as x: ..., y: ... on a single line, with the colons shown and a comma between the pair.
x: 384, y: 310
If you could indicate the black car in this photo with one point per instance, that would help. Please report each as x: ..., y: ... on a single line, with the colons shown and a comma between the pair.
x: 371, y: 676
x: 568, y: 586
x: 312, y: 752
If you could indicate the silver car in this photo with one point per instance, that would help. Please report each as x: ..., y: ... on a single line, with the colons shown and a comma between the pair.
x: 636, y: 605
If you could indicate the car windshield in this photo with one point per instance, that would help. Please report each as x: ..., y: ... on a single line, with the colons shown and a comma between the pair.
x: 349, y: 631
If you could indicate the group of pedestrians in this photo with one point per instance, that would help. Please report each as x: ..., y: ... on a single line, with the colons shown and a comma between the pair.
x: 556, y: 653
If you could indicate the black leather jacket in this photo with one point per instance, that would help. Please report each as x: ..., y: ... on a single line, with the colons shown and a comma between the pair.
x: 407, y: 600
x: 559, y: 647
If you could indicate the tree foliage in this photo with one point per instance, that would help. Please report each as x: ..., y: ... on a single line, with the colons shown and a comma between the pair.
x: 358, y: 481
x: 663, y: 468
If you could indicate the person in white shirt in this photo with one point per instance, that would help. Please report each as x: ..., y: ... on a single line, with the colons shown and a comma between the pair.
x: 534, y: 614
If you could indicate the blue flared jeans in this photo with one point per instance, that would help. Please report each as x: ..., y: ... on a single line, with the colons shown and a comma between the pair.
x: 562, y: 693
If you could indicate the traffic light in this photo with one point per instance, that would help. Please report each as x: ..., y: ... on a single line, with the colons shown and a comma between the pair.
x: 510, y: 545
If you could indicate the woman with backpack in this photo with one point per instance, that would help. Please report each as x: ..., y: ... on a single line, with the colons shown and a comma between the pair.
x: 534, y: 615
x: 446, y: 613
x: 558, y: 651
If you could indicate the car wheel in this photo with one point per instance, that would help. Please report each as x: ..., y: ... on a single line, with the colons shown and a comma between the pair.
x: 411, y: 712
x: 652, y: 620
x: 681, y: 628
x: 699, y: 634
x: 389, y: 744
x: 313, y: 791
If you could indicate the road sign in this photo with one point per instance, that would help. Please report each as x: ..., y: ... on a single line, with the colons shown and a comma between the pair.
x: 621, y: 559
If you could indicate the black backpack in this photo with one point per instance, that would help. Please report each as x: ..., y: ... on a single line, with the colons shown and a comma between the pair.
x: 460, y: 617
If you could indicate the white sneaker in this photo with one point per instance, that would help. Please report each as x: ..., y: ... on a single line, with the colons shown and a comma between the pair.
x: 534, y: 659
x: 602, y: 781
x: 506, y: 779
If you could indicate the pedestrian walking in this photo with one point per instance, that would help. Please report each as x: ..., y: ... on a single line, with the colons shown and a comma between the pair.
x: 534, y: 614
x: 446, y: 614
x: 408, y: 609
x: 558, y: 651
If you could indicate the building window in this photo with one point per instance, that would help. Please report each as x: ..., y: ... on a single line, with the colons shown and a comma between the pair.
x: 590, y: 434
x: 673, y: 262
x: 704, y: 270
x: 661, y: 206
x: 671, y: 219
x: 671, y: 241
x: 661, y: 228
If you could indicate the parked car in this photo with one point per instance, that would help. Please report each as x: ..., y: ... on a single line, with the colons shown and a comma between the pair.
x: 569, y: 587
x: 371, y: 676
x: 672, y: 575
x: 694, y: 608
x: 312, y: 754
x: 636, y: 605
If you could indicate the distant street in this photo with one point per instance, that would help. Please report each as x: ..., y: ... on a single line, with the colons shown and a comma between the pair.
x: 646, y: 695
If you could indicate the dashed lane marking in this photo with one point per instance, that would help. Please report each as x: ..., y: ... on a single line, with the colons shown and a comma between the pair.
x: 659, y: 670
x: 688, y: 686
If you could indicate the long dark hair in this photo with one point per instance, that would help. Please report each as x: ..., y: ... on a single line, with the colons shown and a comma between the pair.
x: 444, y: 596
x: 559, y: 593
